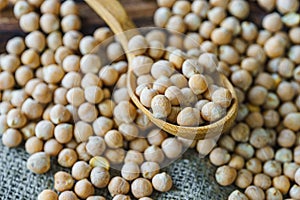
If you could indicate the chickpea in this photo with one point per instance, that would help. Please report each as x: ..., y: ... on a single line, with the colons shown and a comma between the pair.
x: 141, y: 187
x: 82, y: 152
x: 47, y: 195
x: 294, y: 191
x: 176, y: 24
x: 294, y: 53
x: 29, y: 22
x: 245, y: 150
x: 125, y: 112
x: 118, y: 185
x: 81, y: 170
x: 82, y: 131
x: 237, y: 195
x: 68, y: 195
x: 71, y: 22
x: 52, y: 147
x: 21, y: 8
x: 49, y: 23
x: 161, y: 16
x: 32, y: 109
x: 39, y: 163
x: 113, y: 139
x: 244, y: 178
x: 54, y: 40
x: 67, y: 157
x: 102, y: 125
x: 282, y: 184
x: 100, y: 177
x: 34, y: 145
x: 225, y: 175
x: 239, y: 9
x: 63, y: 181
x: 115, y: 156
x: 284, y: 7
x: 211, y: 112
x: 11, y: 138
x: 84, y: 188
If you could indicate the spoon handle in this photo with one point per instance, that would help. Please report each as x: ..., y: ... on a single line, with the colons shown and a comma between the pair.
x: 113, y: 13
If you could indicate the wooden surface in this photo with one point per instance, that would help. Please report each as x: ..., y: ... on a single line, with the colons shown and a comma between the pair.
x: 141, y: 12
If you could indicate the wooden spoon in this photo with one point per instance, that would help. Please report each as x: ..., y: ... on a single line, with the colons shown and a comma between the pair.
x: 113, y: 13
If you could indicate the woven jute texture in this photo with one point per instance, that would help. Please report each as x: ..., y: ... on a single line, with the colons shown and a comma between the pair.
x: 193, y: 178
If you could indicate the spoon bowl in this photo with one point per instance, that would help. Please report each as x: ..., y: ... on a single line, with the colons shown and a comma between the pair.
x: 113, y: 13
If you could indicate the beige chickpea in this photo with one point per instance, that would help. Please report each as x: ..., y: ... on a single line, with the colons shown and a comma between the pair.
x: 282, y: 183
x: 244, y: 178
x: 113, y: 139
x: 189, y: 117
x: 71, y: 63
x: 34, y: 145
x: 115, y: 156
x: 236, y: 194
x: 63, y: 133
x: 147, y: 95
x: 228, y: 54
x: 209, y: 61
x: 93, y: 94
x: 149, y: 169
x: 161, y: 16
x: 161, y: 106
x: 108, y: 75
x: 81, y: 170
x: 54, y: 40
x: 254, y: 165
x: 82, y: 152
x: 47, y: 195
x: 87, y: 112
x: 59, y: 114
x: 115, y: 52
x: 67, y: 157
x: 32, y: 109
x: 227, y: 142
x: 95, y: 145
x: 154, y: 154
x: 211, y: 112
x: 15, y: 45
x: 176, y: 24
x: 242, y: 79
x: 30, y: 58
x: 141, y: 65
x: 216, y: 15
x: 249, y: 31
x: 49, y: 23
x: 67, y: 195
x: 219, y: 156
x: 137, y: 45
x: 53, y: 73
x: 103, y: 34
x: 84, y: 188
x: 15, y: 118
x: 70, y: 22
x: 21, y: 8
x: 130, y: 171
x: 253, y: 192
x: 29, y: 22
x: 240, y: 132
x: 22, y: 75
x: 75, y: 96
x: 118, y: 185
x: 47, y: 58
x: 36, y: 40
x: 156, y: 137
x: 82, y: 131
x: 100, y: 177
x: 71, y: 39
x: 5, y: 107
x: 129, y: 131
x: 59, y: 96
x: 204, y: 147
x: 284, y: 7
x: 245, y: 150
x: 294, y: 191
x: 206, y: 28
x: 42, y: 93
x: 272, y: 22
x: 294, y: 53
x: 263, y: 181
x: 38, y: 163
x: 3, y: 124
x: 239, y: 9
x: 44, y: 129
x: 225, y: 175
x: 68, y: 7
x: 171, y: 147
x: 272, y: 168
x: 7, y: 80
x: 61, y: 53
x: 102, y: 125
x: 141, y: 187
x: 236, y: 162
x: 50, y: 6
x: 221, y: 36
x: 52, y: 147
x: 12, y: 138
x: 125, y: 112
x: 139, y: 144
x: 134, y: 156
x: 90, y: 63
x: 63, y: 181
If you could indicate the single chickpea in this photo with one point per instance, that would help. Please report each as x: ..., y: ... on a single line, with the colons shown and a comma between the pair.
x: 244, y: 178
x: 125, y: 112
x: 219, y: 156
x: 259, y: 138
x: 114, y: 52
x: 103, y: 34
x: 240, y: 132
x: 139, y: 144
x: 285, y: 7
x: 294, y: 53
x: 30, y: 58
x: 21, y: 8
x: 281, y: 183
x: 67, y: 157
x: 176, y: 24
x: 171, y: 147
x: 49, y: 23
x: 7, y: 80
x: 138, y: 45
x: 272, y: 22
x: 84, y: 188
x: 15, y: 118
x: 47, y: 195
x: 10, y: 63
x: 289, y: 169
x: 263, y: 181
x: 113, y: 139
x: 71, y: 39
x: 68, y: 8
x: 290, y: 121
x: 11, y: 138
x: 204, y: 147
x: 294, y: 191
x: 149, y: 169
x: 211, y: 112
x: 15, y: 45
x: 95, y: 145
x: 42, y: 93
x: 59, y: 114
x: 161, y: 16
x: 87, y: 112
x: 108, y: 75
x: 39, y: 163
x: 274, y: 47
x: 134, y: 156
x: 216, y: 15
x: 200, y: 7
x: 52, y: 147
x: 236, y: 162
x: 141, y: 187
x: 272, y: 168
x: 209, y: 61
x: 34, y: 145
x: 102, y: 125
x: 130, y: 171
x: 47, y: 58
x: 36, y: 40
x: 115, y: 156
x: 225, y: 175
x: 118, y: 185
x: 236, y: 194
x: 44, y: 129
x: 82, y: 131
x: 221, y: 36
x: 63, y: 181
x: 249, y: 31
x: 54, y: 40
x: 254, y: 165
x: 129, y: 131
x: 245, y: 150
x: 67, y: 195
x: 154, y: 154
x: 253, y: 192
x: 32, y: 109
x: 70, y: 22
x: 100, y: 177
x: 239, y: 9
x: 29, y: 22
x: 82, y: 152
x: 156, y: 137
x: 81, y: 170
x: 22, y: 75
x: 227, y: 142
x: 63, y: 133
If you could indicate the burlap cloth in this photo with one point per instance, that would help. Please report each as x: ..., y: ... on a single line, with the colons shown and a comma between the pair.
x: 193, y: 178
